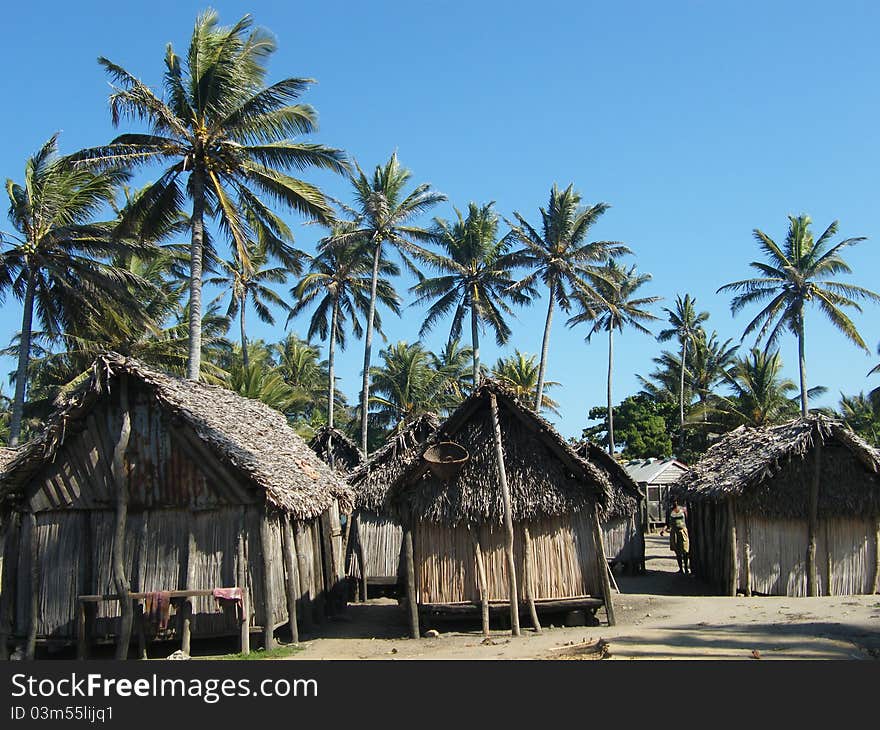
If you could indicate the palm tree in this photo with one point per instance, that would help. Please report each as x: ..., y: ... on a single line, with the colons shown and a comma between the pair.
x: 453, y: 362
x: 383, y: 215
x: 475, y: 279
x: 338, y: 285
x: 874, y: 395
x: 251, y: 282
x: 616, y: 308
x: 710, y: 362
x: 519, y: 372
x: 795, y: 274
x: 687, y: 327
x: 226, y: 134
x: 862, y: 414
x: 53, y: 262
x: 559, y: 257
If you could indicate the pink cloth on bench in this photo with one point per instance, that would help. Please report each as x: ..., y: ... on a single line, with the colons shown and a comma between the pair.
x: 227, y: 594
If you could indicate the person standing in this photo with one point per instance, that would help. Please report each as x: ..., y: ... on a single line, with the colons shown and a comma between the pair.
x: 676, y: 523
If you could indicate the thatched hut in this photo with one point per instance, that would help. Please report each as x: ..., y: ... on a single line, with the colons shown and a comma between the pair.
x: 622, y: 521
x: 653, y: 477
x: 336, y: 450
x: 202, y: 489
x: 375, y: 537
x: 500, y: 513
x: 790, y: 510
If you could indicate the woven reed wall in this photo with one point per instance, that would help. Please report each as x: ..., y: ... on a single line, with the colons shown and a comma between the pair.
x: 381, y: 538
x: 563, y: 553
x: 623, y: 539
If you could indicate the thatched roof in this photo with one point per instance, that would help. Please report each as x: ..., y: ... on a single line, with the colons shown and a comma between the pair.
x: 342, y: 455
x: 6, y: 456
x: 372, y: 480
x: 625, y: 494
x: 770, y: 469
x: 546, y: 477
x: 249, y: 436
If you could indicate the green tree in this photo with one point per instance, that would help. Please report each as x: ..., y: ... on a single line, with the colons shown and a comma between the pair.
x: 641, y: 425
x: 338, y: 285
x: 615, y: 308
x: 710, y: 362
x: 862, y: 414
x: 453, y: 362
x: 226, y: 138
x: 558, y: 256
x: 520, y: 373
x: 384, y: 215
x: 475, y: 279
x: 799, y: 272
x: 55, y: 261
x: 686, y: 325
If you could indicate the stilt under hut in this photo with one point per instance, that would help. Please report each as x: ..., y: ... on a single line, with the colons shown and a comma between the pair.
x: 153, y: 507
x: 790, y: 510
x: 500, y: 515
x: 374, y: 544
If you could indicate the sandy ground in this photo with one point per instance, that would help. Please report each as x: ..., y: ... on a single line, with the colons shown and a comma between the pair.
x: 660, y: 615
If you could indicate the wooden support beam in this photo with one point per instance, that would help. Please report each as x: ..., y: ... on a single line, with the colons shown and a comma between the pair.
x: 82, y: 641
x: 734, y: 567
x: 186, y: 612
x: 602, y: 566
x: 8, y: 588
x: 141, y: 621
x: 813, y: 516
x: 829, y: 566
x: 33, y: 585
x: 268, y: 587
x: 482, y: 583
x: 323, y: 524
x: 291, y: 578
x: 747, y: 566
x: 508, y: 518
x: 241, y: 579
x: 304, y: 570
x: 362, y: 556
x: 527, y: 577
x: 120, y: 479
x: 411, y: 594
x: 876, y: 588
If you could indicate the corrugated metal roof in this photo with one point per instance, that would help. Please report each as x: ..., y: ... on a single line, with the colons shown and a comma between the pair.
x: 654, y: 471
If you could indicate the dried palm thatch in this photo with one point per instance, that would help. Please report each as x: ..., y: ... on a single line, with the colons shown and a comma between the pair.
x: 372, y: 480
x: 625, y: 495
x: 6, y: 457
x: 546, y: 477
x: 768, y: 470
x: 336, y: 449
x: 249, y: 436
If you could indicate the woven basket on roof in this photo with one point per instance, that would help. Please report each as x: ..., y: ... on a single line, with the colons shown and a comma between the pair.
x: 446, y: 459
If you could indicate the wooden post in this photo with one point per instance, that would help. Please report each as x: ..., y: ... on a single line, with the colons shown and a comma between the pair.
x: 242, y: 580
x: 141, y: 630
x: 9, y: 587
x: 323, y: 524
x: 411, y: 595
x: 747, y: 568
x: 268, y: 588
x: 876, y: 556
x: 141, y: 586
x: 602, y: 567
x: 120, y: 477
x: 734, y: 568
x: 186, y: 611
x: 812, y: 525
x: 33, y: 549
x: 362, y: 557
x: 187, y: 608
x: 508, y: 518
x: 304, y: 571
x: 527, y: 577
x: 829, y: 568
x: 481, y: 578
x: 82, y: 646
x: 291, y: 579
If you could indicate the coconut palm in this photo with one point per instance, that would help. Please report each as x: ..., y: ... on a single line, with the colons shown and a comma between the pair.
x: 617, y: 307
x: 475, y: 279
x: 795, y: 274
x: 454, y: 362
x: 225, y: 138
x: 250, y: 282
x: 686, y: 327
x: 862, y: 414
x: 338, y: 285
x: 558, y: 256
x: 384, y: 215
x: 55, y: 260
x: 710, y: 362
x: 519, y: 372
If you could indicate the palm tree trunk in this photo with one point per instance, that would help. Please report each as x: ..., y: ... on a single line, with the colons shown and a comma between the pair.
x: 368, y: 346
x: 331, y: 357
x: 684, y: 349
x: 24, y: 355
x: 475, y: 345
x: 545, y: 347
x: 802, y: 364
x: 197, y: 242
x: 610, y: 409
x: 244, y: 350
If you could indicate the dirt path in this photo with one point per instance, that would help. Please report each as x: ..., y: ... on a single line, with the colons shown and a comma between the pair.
x: 660, y: 615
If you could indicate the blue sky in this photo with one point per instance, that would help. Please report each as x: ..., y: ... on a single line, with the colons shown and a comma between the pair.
x: 696, y: 121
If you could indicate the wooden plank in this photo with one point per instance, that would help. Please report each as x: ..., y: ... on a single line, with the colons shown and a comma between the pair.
x: 241, y: 578
x: 268, y: 596
x: 33, y: 584
x: 291, y: 578
x: 411, y: 595
x: 10, y: 577
x: 304, y: 571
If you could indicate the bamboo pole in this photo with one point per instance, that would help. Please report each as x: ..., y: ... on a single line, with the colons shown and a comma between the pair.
x: 812, y: 582
x: 31, y: 644
x: 602, y: 567
x: 508, y: 518
x: 268, y: 588
x: 527, y: 577
x: 732, y: 578
x: 291, y: 579
x: 481, y: 580
x: 411, y: 596
x: 121, y: 582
